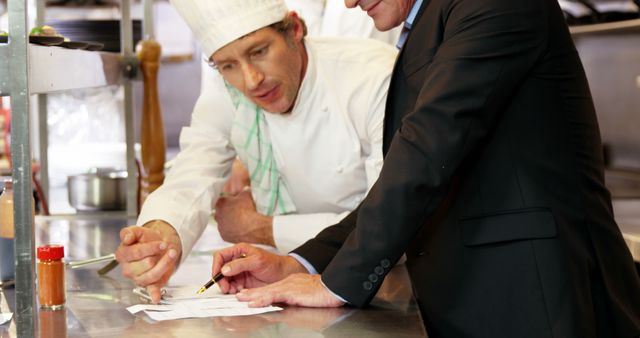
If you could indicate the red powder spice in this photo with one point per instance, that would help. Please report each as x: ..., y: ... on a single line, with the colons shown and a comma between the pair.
x: 51, y: 277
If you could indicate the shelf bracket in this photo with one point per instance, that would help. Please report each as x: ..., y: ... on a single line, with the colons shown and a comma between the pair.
x: 130, y: 67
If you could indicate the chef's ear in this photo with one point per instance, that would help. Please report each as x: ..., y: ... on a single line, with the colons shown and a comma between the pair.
x: 298, y: 26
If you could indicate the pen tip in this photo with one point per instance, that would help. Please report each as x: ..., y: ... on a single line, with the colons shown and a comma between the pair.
x: 202, y: 289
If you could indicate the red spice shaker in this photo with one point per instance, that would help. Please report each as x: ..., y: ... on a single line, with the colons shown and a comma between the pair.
x: 51, y: 292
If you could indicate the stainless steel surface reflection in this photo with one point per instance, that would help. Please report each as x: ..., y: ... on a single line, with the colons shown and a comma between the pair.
x: 83, y: 237
x: 96, y: 306
x: 627, y: 213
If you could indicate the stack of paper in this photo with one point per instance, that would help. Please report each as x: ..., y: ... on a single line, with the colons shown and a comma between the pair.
x: 183, y: 302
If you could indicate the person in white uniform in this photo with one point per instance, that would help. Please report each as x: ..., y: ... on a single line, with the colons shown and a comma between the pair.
x: 304, y: 116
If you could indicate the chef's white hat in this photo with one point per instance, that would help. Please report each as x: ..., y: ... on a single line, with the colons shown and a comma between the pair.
x: 215, y: 23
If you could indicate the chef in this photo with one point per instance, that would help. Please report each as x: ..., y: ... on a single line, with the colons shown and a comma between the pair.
x: 303, y: 115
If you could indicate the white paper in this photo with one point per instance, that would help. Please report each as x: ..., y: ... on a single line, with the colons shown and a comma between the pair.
x: 183, y: 302
x: 5, y: 317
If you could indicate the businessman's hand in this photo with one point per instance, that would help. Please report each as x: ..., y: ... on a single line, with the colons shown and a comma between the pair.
x: 245, y: 266
x: 298, y: 289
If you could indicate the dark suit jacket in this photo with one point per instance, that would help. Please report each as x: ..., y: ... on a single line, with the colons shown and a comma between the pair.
x: 492, y: 184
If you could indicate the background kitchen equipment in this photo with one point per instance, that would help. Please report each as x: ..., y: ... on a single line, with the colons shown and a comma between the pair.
x: 580, y: 12
x: 106, y: 32
x: 100, y: 189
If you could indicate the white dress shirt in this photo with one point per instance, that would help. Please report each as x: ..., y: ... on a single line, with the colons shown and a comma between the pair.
x: 328, y: 150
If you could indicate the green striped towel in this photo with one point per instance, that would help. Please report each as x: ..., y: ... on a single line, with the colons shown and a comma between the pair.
x: 250, y: 137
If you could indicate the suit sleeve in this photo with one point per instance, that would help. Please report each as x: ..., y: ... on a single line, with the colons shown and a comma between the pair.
x: 487, y: 49
x: 320, y: 250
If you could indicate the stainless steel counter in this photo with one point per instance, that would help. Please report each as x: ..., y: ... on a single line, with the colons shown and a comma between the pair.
x: 627, y: 213
x: 96, y: 306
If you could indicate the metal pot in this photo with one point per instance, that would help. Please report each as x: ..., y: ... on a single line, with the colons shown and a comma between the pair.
x: 101, y: 189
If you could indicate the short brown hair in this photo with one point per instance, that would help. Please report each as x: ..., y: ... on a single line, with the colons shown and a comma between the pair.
x: 286, y: 24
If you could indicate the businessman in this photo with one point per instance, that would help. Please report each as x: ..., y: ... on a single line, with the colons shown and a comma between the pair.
x: 492, y: 183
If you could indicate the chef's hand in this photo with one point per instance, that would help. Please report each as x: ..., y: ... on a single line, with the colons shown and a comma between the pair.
x: 298, y: 289
x: 239, y: 179
x: 246, y: 266
x: 149, y: 255
x: 239, y: 221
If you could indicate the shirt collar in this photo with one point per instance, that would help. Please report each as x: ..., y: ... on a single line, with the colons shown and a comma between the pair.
x: 408, y: 23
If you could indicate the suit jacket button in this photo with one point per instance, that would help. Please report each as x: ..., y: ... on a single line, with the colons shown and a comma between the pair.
x: 379, y: 270
x: 373, y: 278
x: 367, y: 285
x: 385, y: 263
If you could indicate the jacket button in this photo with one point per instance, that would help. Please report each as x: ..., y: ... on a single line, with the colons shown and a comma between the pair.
x: 367, y: 285
x: 421, y: 253
x: 373, y: 278
x: 385, y: 263
x: 379, y: 270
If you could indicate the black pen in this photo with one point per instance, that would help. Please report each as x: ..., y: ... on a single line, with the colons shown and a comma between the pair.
x: 214, y: 280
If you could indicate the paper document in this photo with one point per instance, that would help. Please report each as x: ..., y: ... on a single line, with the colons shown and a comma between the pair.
x: 183, y: 302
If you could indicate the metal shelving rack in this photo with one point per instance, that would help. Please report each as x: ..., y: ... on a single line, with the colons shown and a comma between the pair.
x: 28, y: 69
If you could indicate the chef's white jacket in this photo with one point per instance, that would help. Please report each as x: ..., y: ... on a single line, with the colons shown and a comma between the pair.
x: 328, y: 150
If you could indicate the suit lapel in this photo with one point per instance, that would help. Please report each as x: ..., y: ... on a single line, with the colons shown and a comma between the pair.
x: 390, y: 127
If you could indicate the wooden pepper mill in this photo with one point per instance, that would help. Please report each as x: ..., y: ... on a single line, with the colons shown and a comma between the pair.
x: 152, y: 139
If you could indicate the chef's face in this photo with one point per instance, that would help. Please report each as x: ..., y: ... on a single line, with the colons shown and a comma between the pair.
x: 386, y: 14
x: 267, y: 66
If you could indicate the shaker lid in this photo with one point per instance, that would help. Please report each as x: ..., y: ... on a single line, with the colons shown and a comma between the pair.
x: 51, y: 251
